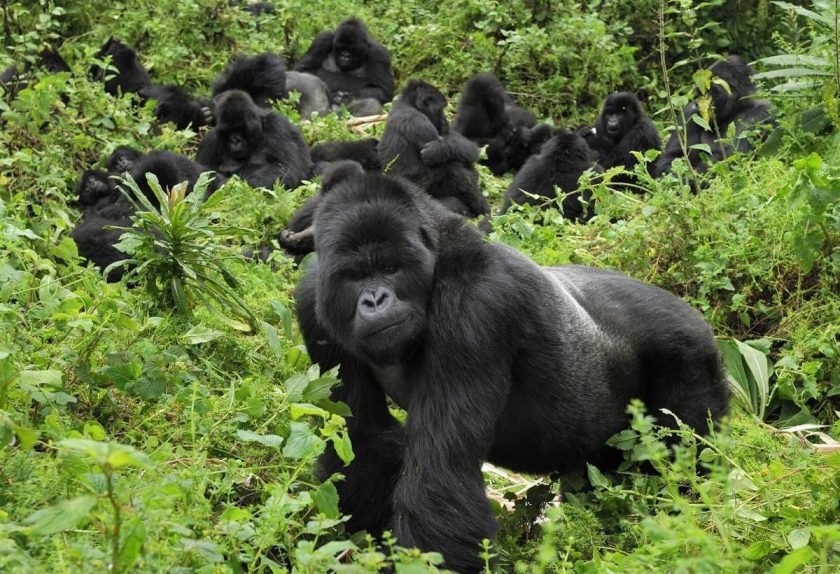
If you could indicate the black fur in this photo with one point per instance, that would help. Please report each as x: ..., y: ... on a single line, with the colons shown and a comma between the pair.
x: 488, y: 116
x: 417, y: 145
x: 259, y: 145
x: 493, y: 357
x: 130, y: 77
x: 363, y: 151
x: 298, y: 239
x: 12, y: 80
x: 622, y: 128
x: 560, y: 163
x: 355, y: 67
x: 95, y: 242
x: 96, y: 185
x: 263, y: 77
x: 170, y: 169
x: 733, y: 106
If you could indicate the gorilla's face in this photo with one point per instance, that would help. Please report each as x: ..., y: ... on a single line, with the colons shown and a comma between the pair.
x: 375, y: 270
x: 350, y: 47
x: 621, y: 111
x: 239, y: 124
x: 92, y: 187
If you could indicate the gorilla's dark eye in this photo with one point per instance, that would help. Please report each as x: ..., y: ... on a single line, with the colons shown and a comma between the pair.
x: 390, y: 269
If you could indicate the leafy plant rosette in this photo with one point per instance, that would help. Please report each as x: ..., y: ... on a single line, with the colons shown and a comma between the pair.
x: 176, y: 254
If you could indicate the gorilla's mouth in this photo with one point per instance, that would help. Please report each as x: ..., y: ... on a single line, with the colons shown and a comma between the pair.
x: 613, y: 129
x: 387, y: 328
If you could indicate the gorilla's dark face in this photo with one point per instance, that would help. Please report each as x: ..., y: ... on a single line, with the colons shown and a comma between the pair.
x: 93, y: 186
x: 350, y: 46
x: 239, y: 124
x: 429, y: 101
x: 123, y: 159
x: 621, y: 112
x: 376, y: 266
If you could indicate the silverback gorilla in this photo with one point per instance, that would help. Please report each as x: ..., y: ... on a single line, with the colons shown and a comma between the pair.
x: 493, y: 357
x: 355, y: 67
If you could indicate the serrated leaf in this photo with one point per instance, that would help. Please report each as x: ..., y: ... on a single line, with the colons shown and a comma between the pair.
x: 61, y: 516
x: 50, y: 378
x: 596, y: 478
x: 326, y: 500
x: 302, y: 442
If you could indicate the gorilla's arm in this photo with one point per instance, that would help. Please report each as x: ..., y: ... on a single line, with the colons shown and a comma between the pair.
x: 440, y: 501
x: 641, y: 137
x: 373, y: 432
x: 317, y: 53
x: 452, y: 147
x: 380, y: 79
x: 754, y: 117
x: 210, y: 151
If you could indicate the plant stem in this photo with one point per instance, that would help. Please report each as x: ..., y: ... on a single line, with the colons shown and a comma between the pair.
x: 115, y: 533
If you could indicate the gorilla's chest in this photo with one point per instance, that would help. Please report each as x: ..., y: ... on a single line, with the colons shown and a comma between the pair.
x: 393, y: 380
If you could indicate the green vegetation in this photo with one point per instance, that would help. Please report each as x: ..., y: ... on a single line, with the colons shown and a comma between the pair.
x: 172, y: 427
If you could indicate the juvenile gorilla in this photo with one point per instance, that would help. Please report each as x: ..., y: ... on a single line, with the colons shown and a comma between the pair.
x: 131, y: 76
x: 96, y: 185
x: 560, y: 163
x: 257, y: 144
x: 622, y: 128
x: 355, y: 67
x: 493, y: 357
x: 488, y: 116
x: 417, y: 145
x: 730, y: 105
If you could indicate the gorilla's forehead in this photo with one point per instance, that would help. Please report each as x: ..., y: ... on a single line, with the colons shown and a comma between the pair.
x: 366, y: 227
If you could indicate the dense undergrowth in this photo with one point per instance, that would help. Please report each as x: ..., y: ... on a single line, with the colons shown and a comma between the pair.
x: 135, y: 437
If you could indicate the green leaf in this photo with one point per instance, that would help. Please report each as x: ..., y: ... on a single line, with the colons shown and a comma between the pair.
x: 625, y: 440
x: 61, y: 516
x: 38, y: 378
x: 302, y: 443
x: 799, y: 538
x: 121, y: 455
x: 343, y: 447
x: 200, y: 334
x: 150, y: 386
x: 596, y: 478
x: 269, y: 440
x: 757, y: 550
x: 326, y: 500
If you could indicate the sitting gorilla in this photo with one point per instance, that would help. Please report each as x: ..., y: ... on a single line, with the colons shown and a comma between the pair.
x: 561, y: 162
x: 363, y: 151
x: 298, y: 239
x: 622, y: 128
x: 111, y: 208
x: 488, y: 116
x: 131, y: 76
x: 733, y: 105
x: 355, y: 67
x: 493, y: 357
x: 255, y: 143
x: 417, y: 145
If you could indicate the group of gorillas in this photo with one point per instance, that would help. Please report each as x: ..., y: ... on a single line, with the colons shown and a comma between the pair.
x: 493, y: 357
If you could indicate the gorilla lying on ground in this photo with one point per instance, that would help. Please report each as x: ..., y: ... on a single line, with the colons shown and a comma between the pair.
x: 561, y: 162
x: 622, y: 128
x: 255, y: 143
x: 363, y: 151
x: 488, y: 116
x: 493, y: 357
x: 417, y: 145
x: 355, y: 67
x: 107, y: 206
x: 730, y: 105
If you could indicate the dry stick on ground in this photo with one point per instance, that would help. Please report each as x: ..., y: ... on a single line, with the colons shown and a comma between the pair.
x: 360, y: 124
